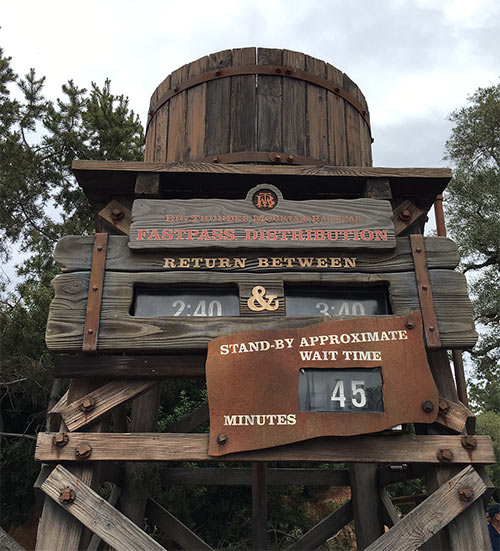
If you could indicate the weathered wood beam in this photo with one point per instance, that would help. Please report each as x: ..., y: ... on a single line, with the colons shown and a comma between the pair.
x: 95, y: 404
x: 117, y: 215
x: 325, y: 529
x: 445, y: 504
x: 147, y: 185
x: 243, y: 477
x: 112, y: 499
x: 174, y: 528
x: 389, y: 512
x: 453, y: 415
x: 405, y: 216
x: 193, y: 447
x: 95, y: 513
x: 191, y: 421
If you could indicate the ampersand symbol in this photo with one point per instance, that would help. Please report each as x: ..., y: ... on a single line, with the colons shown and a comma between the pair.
x: 270, y: 302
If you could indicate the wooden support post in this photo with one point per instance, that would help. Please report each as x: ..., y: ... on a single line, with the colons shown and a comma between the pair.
x: 134, y: 490
x: 174, y: 528
x: 147, y: 184
x: 80, y: 501
x: 325, y: 529
x: 366, y: 505
x: 259, y: 506
x: 453, y: 498
x: 389, y: 512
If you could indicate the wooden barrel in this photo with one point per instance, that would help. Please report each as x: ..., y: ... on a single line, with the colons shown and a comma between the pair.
x: 259, y: 106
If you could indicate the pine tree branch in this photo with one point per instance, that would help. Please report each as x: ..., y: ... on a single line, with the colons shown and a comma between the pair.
x: 16, y: 435
x: 13, y: 382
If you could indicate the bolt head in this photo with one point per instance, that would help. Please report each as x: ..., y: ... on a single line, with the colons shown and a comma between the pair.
x: 87, y: 404
x: 418, y: 249
x: 469, y: 442
x: 82, y: 451
x: 99, y: 248
x: 427, y: 406
x: 405, y: 214
x: 60, y: 439
x: 67, y: 495
x: 444, y: 407
x: 432, y: 328
x: 117, y: 214
x: 409, y: 324
x: 288, y: 71
x: 221, y: 439
x: 424, y: 287
x: 445, y: 455
x: 466, y: 494
x: 216, y: 159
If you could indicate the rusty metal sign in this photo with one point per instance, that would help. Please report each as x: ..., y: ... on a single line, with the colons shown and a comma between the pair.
x: 339, y: 378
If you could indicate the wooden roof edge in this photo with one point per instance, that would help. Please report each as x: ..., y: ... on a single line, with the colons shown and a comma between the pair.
x: 84, y: 167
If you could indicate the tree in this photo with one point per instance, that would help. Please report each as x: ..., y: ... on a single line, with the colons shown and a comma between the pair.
x: 39, y: 203
x: 473, y: 209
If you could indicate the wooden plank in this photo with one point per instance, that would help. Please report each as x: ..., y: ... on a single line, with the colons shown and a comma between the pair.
x: 337, y: 141
x: 317, y: 117
x: 405, y: 216
x: 269, y: 104
x: 218, y: 105
x: 80, y: 167
x: 174, y: 528
x: 388, y: 510
x: 7, y: 543
x: 112, y: 499
x: 98, y: 515
x: 177, y: 118
x: 433, y: 514
x: 294, y: 107
x: 118, y: 216
x: 325, y: 529
x: 191, y: 421
x: 366, y: 504
x: 259, y: 506
x: 193, y: 447
x: 119, y: 331
x: 243, y: 477
x: 453, y: 415
x: 103, y: 399
x: 161, y: 124
x: 243, y: 106
x: 378, y: 188
x: 73, y: 253
x: 353, y: 121
x: 195, y: 113
x: 147, y: 184
x: 63, y: 401
x: 149, y: 148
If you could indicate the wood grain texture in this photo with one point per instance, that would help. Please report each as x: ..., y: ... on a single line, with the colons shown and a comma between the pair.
x: 174, y: 528
x: 325, y: 529
x: 120, y: 225
x: 193, y: 447
x: 98, y: 515
x: 147, y: 184
x: 243, y: 104
x: 73, y: 253
x: 243, y: 477
x: 196, y: 113
x: 269, y: 104
x: 453, y: 415
x: 105, y: 399
x: 177, y: 118
x: 119, y: 331
x: 391, y: 517
x: 352, y: 119
x: 294, y: 107
x: 317, y: 113
x: 161, y: 125
x: 336, y: 121
x: 432, y: 515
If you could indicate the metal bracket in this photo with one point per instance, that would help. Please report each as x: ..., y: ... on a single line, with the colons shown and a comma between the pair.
x: 429, y: 318
x: 92, y: 315
x: 268, y: 70
x: 277, y: 158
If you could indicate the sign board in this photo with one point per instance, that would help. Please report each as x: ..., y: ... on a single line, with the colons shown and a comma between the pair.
x: 263, y: 220
x: 339, y: 378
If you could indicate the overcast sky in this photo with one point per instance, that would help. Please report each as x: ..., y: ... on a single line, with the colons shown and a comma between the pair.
x: 414, y: 60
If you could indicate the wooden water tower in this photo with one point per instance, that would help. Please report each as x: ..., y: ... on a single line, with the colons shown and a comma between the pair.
x: 257, y: 246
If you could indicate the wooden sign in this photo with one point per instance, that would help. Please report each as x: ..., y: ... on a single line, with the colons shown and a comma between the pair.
x: 264, y: 220
x: 339, y: 378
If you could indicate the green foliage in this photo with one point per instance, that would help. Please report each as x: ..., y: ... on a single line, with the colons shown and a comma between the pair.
x: 39, y: 203
x: 489, y: 423
x: 473, y: 208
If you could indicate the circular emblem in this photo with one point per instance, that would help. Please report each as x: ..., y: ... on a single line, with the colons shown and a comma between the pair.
x: 265, y: 199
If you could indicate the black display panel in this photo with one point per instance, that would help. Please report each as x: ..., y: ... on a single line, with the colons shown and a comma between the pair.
x: 336, y: 301
x: 341, y: 390
x: 186, y: 302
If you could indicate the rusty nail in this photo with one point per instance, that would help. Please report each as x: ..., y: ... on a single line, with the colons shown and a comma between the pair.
x: 277, y: 70
x: 431, y: 328
x: 290, y: 158
x: 278, y: 157
x: 176, y: 89
x: 60, y: 439
x: 67, y: 495
x: 337, y: 89
x: 218, y: 73
x: 364, y: 113
x: 99, y: 248
x: 405, y: 214
x: 82, y: 451
x: 469, y: 442
x: 427, y: 406
x: 95, y: 288
x: 424, y: 287
x: 445, y: 455
x: 117, y: 214
x: 443, y: 406
x: 216, y: 159
x: 419, y: 249
x: 288, y: 71
x: 466, y: 494
x: 221, y: 439
x: 409, y: 324
x: 90, y: 331
x: 87, y: 404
